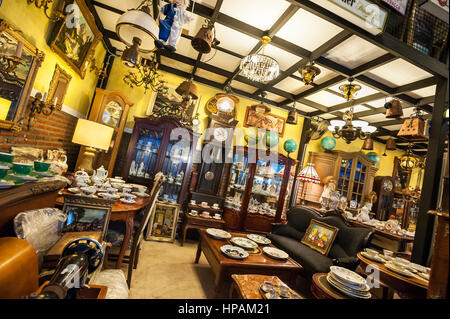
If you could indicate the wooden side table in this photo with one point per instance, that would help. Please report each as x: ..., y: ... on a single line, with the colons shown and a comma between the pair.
x: 198, y: 222
x: 321, y: 289
x: 247, y: 286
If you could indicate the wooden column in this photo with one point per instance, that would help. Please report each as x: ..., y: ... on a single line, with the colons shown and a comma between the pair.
x: 428, y: 200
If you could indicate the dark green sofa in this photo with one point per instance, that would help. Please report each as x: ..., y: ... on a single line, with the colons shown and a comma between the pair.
x: 349, y: 240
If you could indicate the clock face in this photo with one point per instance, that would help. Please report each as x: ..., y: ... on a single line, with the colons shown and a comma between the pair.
x: 112, y: 113
x: 220, y: 134
x: 387, y: 185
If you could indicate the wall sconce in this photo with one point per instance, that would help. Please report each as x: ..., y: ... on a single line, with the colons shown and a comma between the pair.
x: 99, y: 71
x: 9, y: 64
x: 58, y: 14
x: 39, y: 106
x: 309, y: 72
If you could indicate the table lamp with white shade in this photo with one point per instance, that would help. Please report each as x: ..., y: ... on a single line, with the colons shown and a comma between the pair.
x: 94, y: 136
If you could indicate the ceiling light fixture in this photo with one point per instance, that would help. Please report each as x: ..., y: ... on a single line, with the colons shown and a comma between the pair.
x: 409, y: 160
x: 350, y: 130
x: 349, y: 90
x: 226, y: 102
x: 292, y: 115
x: 130, y: 56
x: 146, y: 76
x: 138, y: 23
x: 308, y: 72
x: 259, y: 67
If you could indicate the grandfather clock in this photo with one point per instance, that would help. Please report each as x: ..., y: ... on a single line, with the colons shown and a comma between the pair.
x: 384, y: 187
x: 109, y: 108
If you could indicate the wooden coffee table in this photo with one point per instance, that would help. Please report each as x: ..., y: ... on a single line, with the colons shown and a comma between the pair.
x: 223, y: 267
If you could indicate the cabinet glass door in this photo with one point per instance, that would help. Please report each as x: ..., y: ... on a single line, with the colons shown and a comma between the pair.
x: 358, y: 182
x: 147, y: 147
x: 238, y: 178
x: 266, y: 188
x: 345, y: 173
x: 174, y: 167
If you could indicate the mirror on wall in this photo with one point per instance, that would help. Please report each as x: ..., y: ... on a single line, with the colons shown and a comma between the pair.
x: 19, y: 63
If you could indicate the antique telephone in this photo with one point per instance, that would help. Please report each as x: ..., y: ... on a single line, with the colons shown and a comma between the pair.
x: 79, y: 258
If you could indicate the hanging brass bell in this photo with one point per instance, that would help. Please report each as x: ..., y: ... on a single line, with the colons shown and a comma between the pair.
x: 395, y: 111
x: 390, y: 144
x: 204, y: 40
x: 368, y: 144
x: 187, y: 89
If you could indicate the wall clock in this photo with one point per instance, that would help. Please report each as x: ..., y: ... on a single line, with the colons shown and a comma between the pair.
x: 220, y: 134
x: 387, y: 185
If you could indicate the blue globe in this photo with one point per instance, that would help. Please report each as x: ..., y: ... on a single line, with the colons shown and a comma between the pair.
x: 328, y: 143
x: 290, y: 146
x: 374, y: 157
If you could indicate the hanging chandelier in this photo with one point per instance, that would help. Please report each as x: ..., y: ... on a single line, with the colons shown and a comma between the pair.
x: 226, y: 102
x: 309, y: 72
x: 350, y: 130
x: 138, y: 23
x: 259, y: 67
x: 349, y: 90
x: 146, y: 76
x: 409, y: 160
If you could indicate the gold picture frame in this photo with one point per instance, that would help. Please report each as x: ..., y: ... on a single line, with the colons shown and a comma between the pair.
x: 266, y: 120
x: 58, y: 86
x: 315, y: 240
x: 163, y: 222
x: 16, y: 86
x: 76, y: 37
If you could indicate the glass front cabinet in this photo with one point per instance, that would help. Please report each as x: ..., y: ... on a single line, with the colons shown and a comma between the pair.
x: 156, y: 146
x: 257, y: 193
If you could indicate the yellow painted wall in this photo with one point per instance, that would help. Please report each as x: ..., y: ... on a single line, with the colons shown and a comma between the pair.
x: 36, y: 28
x: 142, y: 101
x: 385, y: 166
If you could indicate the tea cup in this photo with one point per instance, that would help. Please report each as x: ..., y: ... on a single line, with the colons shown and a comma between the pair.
x: 6, y: 158
x: 205, y: 204
x: 130, y: 197
x: 22, y: 168
x: 126, y: 190
x: 388, y: 253
x: 41, y: 166
x: 111, y: 190
x: 217, y: 216
x: 215, y: 205
x: 3, y: 171
x: 88, y: 190
x: 193, y: 202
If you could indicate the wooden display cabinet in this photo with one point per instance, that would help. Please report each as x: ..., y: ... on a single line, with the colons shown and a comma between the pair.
x: 354, y: 174
x: 155, y: 146
x: 109, y: 108
x: 257, y: 193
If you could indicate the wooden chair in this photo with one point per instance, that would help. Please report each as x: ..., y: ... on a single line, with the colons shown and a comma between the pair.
x: 133, y: 257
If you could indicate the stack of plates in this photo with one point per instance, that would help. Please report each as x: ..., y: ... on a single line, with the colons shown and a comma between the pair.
x: 348, y: 282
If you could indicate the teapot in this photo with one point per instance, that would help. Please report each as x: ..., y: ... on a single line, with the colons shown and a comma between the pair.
x: 100, y: 175
x: 58, y: 160
x: 82, y: 178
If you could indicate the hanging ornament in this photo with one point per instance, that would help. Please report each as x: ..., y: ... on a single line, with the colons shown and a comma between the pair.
x: 308, y: 72
x: 205, y: 39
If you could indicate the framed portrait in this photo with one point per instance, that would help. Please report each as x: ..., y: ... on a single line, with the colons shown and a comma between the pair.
x: 58, y: 86
x: 261, y: 117
x: 320, y: 236
x: 75, y: 38
x: 17, y: 82
x: 163, y: 222
x: 159, y: 101
x: 86, y: 214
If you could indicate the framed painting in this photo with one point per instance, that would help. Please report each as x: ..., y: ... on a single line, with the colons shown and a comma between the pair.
x: 76, y: 38
x: 86, y: 214
x: 320, y: 236
x: 16, y: 81
x: 160, y: 101
x: 163, y: 222
x: 261, y: 117
x: 58, y: 87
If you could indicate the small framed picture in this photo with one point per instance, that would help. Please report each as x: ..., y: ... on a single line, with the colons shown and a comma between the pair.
x: 163, y: 222
x: 86, y: 214
x: 320, y: 236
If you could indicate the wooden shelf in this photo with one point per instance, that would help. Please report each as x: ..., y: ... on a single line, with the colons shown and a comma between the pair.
x: 209, y: 209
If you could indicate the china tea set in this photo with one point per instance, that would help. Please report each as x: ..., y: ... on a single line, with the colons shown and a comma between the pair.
x: 15, y: 173
x: 205, y: 214
x: 109, y: 188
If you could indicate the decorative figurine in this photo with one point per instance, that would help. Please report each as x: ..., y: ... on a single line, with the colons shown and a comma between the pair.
x: 329, y: 188
x: 171, y: 27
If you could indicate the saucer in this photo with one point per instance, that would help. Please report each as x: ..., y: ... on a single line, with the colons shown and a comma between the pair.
x: 129, y: 202
x: 139, y: 194
x: 26, y: 178
x: 74, y: 190
x: 6, y: 184
x: 112, y: 196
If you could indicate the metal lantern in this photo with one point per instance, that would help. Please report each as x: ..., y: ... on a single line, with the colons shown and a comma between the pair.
x: 309, y: 72
x: 368, y: 144
x: 395, y: 110
x: 187, y: 89
x: 130, y: 56
x: 292, y: 116
x: 204, y: 40
x: 390, y: 144
x: 349, y: 90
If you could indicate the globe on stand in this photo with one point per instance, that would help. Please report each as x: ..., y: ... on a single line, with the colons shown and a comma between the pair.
x: 290, y: 146
x: 328, y: 143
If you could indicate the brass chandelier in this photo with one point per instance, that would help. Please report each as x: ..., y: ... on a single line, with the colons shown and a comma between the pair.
x: 309, y: 72
x: 350, y: 129
x: 146, y: 76
x: 259, y: 67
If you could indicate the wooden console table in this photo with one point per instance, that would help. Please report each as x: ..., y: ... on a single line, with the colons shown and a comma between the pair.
x: 198, y: 222
x: 28, y: 196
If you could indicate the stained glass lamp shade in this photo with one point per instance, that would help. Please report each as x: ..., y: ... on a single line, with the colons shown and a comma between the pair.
x: 309, y: 174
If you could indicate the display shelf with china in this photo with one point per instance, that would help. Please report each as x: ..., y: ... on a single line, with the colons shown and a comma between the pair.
x: 109, y: 108
x: 405, y: 207
x: 354, y: 173
x: 156, y: 147
x: 257, y: 192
